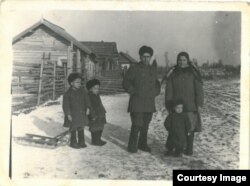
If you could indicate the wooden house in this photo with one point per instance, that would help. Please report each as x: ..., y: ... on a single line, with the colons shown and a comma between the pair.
x: 44, y: 55
x: 126, y: 60
x: 47, y: 40
x: 106, y: 55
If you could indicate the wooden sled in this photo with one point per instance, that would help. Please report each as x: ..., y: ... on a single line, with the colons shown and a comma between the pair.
x: 43, y: 141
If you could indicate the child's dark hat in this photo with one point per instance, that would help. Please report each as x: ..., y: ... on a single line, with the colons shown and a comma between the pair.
x: 178, y: 102
x: 91, y: 83
x: 73, y: 76
x: 146, y: 49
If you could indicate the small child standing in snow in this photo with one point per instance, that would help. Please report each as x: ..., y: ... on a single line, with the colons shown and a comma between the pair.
x: 97, y: 112
x: 178, y: 127
x: 76, y: 105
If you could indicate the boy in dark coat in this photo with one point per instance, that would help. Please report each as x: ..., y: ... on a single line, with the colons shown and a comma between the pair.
x: 97, y: 112
x: 178, y: 125
x: 76, y: 105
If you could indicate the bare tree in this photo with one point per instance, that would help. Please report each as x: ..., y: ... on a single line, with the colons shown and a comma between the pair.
x: 166, y: 60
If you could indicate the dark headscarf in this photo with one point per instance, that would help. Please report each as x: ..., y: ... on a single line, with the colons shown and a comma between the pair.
x: 177, y: 69
x: 191, y: 67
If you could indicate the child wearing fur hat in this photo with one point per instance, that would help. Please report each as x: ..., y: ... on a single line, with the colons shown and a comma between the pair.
x: 76, y: 105
x: 178, y: 127
x: 97, y: 113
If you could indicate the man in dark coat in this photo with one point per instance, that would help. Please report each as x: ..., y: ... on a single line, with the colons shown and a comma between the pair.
x: 141, y: 83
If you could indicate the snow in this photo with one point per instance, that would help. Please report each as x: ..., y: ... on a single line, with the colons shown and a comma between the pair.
x: 216, y: 147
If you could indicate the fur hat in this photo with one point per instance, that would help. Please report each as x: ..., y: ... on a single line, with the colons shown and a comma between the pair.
x: 73, y: 76
x: 177, y: 102
x: 146, y: 49
x: 92, y: 83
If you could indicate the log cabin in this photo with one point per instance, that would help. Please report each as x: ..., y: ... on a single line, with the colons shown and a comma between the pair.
x: 106, y: 55
x: 126, y: 60
x: 47, y: 38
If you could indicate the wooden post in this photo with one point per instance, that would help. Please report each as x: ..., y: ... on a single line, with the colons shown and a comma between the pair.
x: 54, y: 81
x: 69, y: 61
x: 19, y: 81
x: 40, y: 81
x: 84, y: 59
x: 78, y: 61
x: 65, y: 76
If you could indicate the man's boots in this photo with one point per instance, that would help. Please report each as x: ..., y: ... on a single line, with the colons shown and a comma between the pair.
x: 143, y: 145
x: 133, y: 139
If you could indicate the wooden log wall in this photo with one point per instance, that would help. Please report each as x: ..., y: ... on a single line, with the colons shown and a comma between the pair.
x: 26, y: 82
x: 30, y: 48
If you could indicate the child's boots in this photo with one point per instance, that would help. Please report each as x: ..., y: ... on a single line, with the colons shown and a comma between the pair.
x: 73, y: 140
x: 100, y: 137
x: 81, y: 139
x: 96, y: 138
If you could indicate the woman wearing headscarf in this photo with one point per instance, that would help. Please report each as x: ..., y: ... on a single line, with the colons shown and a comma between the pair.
x: 184, y: 82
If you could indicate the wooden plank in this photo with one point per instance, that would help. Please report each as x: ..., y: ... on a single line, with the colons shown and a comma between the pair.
x: 60, y: 75
x: 24, y: 68
x: 21, y: 90
x: 23, y: 106
x: 60, y: 85
x: 65, y: 76
x: 54, y: 82
x: 26, y: 64
x: 23, y: 97
x: 23, y: 84
x: 40, y: 81
x: 69, y: 60
x: 46, y: 95
x: 59, y: 70
x: 78, y: 61
x: 59, y: 89
x: 25, y: 74
x: 24, y: 100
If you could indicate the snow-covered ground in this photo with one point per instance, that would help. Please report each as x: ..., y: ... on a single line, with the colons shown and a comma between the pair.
x: 216, y: 147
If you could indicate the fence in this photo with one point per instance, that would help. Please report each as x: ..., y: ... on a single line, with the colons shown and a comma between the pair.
x: 33, y: 84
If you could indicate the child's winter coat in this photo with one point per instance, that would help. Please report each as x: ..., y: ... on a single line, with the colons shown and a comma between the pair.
x: 97, y: 113
x: 75, y: 103
x: 178, y: 125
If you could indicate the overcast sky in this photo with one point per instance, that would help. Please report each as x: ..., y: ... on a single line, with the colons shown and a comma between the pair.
x: 204, y: 35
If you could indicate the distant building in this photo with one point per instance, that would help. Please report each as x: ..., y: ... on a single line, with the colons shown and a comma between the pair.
x: 47, y: 38
x: 106, y: 55
x: 126, y: 60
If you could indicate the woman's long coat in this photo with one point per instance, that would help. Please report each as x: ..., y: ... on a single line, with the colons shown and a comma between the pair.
x: 141, y: 83
x: 97, y: 113
x: 183, y: 84
x: 75, y: 103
